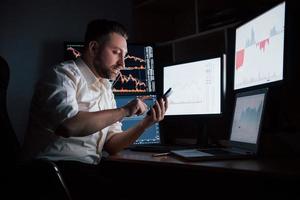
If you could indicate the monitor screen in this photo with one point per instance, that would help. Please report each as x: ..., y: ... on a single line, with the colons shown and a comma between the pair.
x: 196, y: 87
x: 247, y: 116
x: 259, y: 47
x: 138, y: 75
x: 72, y: 50
x: 151, y: 135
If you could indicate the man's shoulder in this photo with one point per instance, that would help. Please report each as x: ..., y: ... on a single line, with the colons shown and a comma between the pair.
x: 67, y: 67
x: 68, y: 64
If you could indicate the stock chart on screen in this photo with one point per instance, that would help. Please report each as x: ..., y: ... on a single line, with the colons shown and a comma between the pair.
x: 196, y: 87
x: 138, y: 75
x: 259, y: 49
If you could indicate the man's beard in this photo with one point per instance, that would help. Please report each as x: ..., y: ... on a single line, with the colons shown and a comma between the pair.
x: 106, y: 72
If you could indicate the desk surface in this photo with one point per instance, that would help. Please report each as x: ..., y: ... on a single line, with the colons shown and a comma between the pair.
x: 282, y: 167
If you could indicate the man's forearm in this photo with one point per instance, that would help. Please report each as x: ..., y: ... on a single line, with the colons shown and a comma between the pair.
x: 123, y: 140
x: 87, y: 123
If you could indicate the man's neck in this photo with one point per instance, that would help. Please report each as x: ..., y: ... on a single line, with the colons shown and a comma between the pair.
x: 90, y: 65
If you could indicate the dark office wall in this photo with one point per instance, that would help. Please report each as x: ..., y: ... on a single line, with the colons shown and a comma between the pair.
x: 32, y: 33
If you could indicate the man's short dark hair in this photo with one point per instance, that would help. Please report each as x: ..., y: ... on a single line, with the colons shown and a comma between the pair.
x: 99, y: 29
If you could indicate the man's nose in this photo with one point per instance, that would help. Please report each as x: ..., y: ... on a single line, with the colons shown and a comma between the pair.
x: 121, y: 62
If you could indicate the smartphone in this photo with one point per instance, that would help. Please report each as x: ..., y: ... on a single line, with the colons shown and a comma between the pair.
x: 165, y: 95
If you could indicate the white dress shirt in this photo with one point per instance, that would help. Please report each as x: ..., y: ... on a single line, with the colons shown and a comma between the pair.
x: 68, y: 88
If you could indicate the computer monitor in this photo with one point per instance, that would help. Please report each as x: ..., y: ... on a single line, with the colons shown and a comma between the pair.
x: 259, y: 49
x: 73, y: 50
x: 151, y: 134
x: 138, y: 79
x: 138, y: 75
x: 196, y: 87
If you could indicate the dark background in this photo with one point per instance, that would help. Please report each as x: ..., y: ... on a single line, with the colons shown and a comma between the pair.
x: 33, y: 33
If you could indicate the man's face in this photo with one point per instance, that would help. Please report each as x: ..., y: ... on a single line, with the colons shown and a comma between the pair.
x: 109, y: 57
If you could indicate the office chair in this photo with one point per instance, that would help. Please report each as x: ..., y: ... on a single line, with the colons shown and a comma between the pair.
x: 37, y: 179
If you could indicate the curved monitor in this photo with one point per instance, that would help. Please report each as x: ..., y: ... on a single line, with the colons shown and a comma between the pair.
x: 196, y: 87
x: 259, y: 47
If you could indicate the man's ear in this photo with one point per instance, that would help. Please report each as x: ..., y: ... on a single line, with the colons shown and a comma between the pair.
x: 93, y: 46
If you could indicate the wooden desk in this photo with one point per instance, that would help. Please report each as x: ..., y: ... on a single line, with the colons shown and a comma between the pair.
x: 273, y: 177
x: 281, y: 167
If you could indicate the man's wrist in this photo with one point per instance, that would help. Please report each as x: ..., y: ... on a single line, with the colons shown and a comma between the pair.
x: 145, y: 123
x: 124, y: 111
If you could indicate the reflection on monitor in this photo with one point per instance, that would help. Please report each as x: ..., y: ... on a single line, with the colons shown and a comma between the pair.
x: 150, y: 135
x: 138, y: 75
x: 196, y: 87
x: 259, y: 49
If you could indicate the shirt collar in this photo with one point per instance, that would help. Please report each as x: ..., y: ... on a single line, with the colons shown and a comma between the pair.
x: 89, y: 76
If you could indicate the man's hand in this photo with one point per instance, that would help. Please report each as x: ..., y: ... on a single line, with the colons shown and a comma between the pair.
x: 136, y: 107
x: 157, y: 112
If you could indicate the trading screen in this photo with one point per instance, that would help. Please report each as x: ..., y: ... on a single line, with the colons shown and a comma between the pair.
x: 138, y: 75
x: 151, y: 134
x: 196, y: 87
x: 259, y: 49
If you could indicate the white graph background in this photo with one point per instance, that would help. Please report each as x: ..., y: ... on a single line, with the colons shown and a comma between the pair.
x: 247, y: 118
x: 259, y: 49
x: 196, y: 87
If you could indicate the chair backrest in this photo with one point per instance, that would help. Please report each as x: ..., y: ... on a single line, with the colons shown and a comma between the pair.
x: 47, y: 180
x: 10, y: 147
